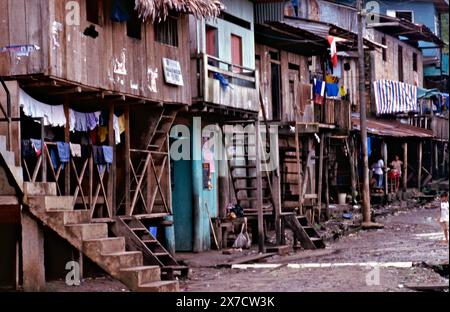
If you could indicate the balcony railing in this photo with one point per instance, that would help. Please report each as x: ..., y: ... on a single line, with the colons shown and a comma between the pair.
x: 226, y: 84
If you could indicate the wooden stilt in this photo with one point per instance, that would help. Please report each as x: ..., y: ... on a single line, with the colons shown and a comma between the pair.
x: 259, y: 189
x: 419, y: 164
x: 67, y: 140
x: 127, y: 161
x: 320, y: 178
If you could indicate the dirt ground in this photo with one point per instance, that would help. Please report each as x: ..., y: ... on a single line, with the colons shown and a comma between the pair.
x: 411, y: 236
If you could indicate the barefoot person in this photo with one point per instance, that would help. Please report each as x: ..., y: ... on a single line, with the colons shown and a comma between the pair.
x: 443, y: 215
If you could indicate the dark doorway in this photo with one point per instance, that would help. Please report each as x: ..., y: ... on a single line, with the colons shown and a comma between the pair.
x: 276, y: 94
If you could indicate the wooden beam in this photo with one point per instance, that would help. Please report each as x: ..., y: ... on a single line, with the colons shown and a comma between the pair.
x: 111, y: 173
x: 127, y: 161
x: 67, y: 140
x: 259, y: 194
x: 385, y: 160
x: 319, y: 185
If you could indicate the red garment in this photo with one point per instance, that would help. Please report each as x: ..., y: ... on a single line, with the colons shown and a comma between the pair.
x: 333, y: 50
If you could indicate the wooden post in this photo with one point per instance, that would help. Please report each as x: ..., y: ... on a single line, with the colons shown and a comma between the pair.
x: 385, y: 160
x: 363, y: 117
x: 67, y: 140
x: 127, y: 161
x: 327, y: 188
x: 436, y: 159
x: 405, y: 166
x: 259, y: 189
x: 276, y: 188
x: 352, y: 156
x: 111, y: 174
x: 419, y: 169
x: 44, y: 161
x: 299, y: 169
x: 319, y: 185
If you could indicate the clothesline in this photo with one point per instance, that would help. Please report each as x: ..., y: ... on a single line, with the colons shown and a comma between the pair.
x: 54, y: 116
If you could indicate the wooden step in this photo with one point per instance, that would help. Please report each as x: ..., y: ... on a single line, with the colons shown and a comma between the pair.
x: 51, y: 203
x: 122, y: 260
x: 107, y: 245
x: 140, y: 275
x: 89, y: 231
x: 71, y: 217
x: 161, y: 286
x: 39, y: 189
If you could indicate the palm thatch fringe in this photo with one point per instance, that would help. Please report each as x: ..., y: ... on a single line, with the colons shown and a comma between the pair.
x: 157, y: 10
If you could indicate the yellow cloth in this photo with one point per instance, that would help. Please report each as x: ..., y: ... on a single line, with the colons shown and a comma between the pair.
x: 103, y: 133
x: 342, y: 91
x: 121, y: 124
x: 330, y: 79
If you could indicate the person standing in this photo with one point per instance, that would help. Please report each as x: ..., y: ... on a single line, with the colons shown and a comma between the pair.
x: 378, y: 172
x: 396, y: 172
x: 443, y: 215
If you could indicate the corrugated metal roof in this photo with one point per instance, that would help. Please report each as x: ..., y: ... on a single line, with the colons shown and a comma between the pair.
x: 391, y: 128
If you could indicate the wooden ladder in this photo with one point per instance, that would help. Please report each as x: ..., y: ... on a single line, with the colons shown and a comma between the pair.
x: 139, y: 238
x: 303, y: 231
x: 154, y: 157
x: 242, y: 171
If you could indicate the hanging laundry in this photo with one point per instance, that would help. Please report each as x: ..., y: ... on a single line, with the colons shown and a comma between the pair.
x: 63, y: 152
x: 103, y: 134
x: 53, y: 114
x: 395, y: 97
x: 27, y: 149
x: 80, y: 122
x: 53, y: 151
x: 121, y: 124
x: 332, y: 90
x: 104, y: 119
x: 331, y: 79
x: 37, y: 146
x: 342, y: 91
x: 99, y: 158
x: 75, y: 150
x: 319, y: 91
x: 224, y: 83
x: 108, y: 155
x: 92, y: 120
x: 116, y: 129
x: 333, y: 50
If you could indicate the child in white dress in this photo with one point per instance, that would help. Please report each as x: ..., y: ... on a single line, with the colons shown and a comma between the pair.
x: 443, y: 215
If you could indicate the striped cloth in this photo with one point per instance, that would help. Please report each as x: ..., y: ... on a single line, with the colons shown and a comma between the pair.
x: 395, y: 97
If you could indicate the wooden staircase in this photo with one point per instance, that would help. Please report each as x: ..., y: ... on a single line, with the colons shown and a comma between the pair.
x: 242, y: 168
x: 154, y: 157
x: 15, y: 172
x: 293, y: 183
x: 139, y: 238
x: 56, y: 212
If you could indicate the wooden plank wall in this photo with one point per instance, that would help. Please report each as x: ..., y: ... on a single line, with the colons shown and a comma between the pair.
x: 389, y: 69
x: 68, y: 54
x: 293, y: 82
x: 22, y: 22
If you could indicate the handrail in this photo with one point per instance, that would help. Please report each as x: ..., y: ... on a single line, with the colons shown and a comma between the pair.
x: 228, y: 63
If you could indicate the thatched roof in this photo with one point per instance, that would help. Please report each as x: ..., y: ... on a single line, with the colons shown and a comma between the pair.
x: 157, y: 10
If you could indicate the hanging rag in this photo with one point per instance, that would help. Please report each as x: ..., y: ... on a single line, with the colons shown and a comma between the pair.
x: 332, y: 90
x: 80, y: 122
x: 333, y: 50
x: 91, y: 121
x: 108, y: 155
x: 224, y: 83
x: 121, y: 124
x: 103, y: 134
x: 395, y: 97
x: 63, y: 152
x: 116, y: 129
x: 53, y: 151
x: 75, y: 150
x: 27, y: 149
x: 53, y: 114
x: 342, y: 91
x: 104, y: 118
x: 37, y: 146
x: 319, y: 91
x: 99, y: 158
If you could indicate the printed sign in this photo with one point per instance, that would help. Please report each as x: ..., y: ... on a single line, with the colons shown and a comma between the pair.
x: 172, y: 72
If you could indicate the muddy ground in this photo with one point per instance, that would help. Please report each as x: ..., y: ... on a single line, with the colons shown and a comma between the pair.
x: 409, y: 236
x: 412, y: 235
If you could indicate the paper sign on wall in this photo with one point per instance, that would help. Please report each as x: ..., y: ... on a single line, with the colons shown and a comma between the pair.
x: 172, y: 72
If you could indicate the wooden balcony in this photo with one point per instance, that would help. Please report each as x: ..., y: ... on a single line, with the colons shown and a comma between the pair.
x: 241, y: 92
